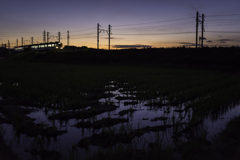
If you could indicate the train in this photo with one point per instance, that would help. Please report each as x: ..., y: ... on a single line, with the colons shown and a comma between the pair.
x: 40, y: 47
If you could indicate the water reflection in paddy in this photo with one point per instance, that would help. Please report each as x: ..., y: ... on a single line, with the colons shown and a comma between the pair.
x: 142, y: 117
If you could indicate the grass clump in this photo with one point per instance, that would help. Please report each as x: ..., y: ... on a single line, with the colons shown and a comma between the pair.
x: 225, y: 146
x: 123, y: 112
x: 129, y: 152
x: 106, y: 122
x: 24, y: 124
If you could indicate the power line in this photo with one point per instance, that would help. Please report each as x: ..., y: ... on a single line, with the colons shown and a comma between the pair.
x: 159, y: 33
x: 223, y: 15
x: 83, y: 30
x: 153, y: 22
x: 158, y: 29
x: 18, y: 32
x: 227, y: 19
x: 84, y: 34
x: 152, y: 28
x: 85, y: 37
x: 223, y: 24
x: 155, y: 26
x: 223, y: 31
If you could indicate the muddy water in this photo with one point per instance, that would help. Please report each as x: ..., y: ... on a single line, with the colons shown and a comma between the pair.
x: 142, y: 117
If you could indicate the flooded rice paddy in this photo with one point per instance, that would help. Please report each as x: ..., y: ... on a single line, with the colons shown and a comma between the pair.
x: 120, y: 117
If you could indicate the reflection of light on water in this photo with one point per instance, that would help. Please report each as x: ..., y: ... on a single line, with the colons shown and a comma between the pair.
x: 139, y: 119
x: 109, y: 86
x: 16, y: 84
x: 216, y: 126
x: 22, y: 144
x: 18, y: 143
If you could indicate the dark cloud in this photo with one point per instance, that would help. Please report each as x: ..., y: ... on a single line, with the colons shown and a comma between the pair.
x: 225, y: 40
x: 187, y: 44
x: 228, y: 40
x: 131, y: 46
x: 209, y: 41
x: 113, y: 38
x: 203, y: 38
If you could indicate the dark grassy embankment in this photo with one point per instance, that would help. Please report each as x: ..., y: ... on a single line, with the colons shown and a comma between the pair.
x: 201, y: 57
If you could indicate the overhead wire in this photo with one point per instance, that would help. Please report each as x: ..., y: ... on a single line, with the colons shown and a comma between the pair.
x: 85, y: 37
x: 223, y: 15
x: 159, y: 33
x: 150, y: 28
x: 83, y: 30
x: 154, y: 29
x: 155, y: 26
x: 224, y: 31
x: 152, y: 22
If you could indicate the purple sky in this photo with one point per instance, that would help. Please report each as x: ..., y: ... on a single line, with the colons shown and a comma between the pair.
x: 131, y: 22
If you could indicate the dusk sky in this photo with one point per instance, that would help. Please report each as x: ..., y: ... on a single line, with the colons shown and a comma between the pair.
x: 154, y: 23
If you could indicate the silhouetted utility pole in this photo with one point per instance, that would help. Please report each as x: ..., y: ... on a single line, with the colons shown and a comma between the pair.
x: 109, y: 33
x: 44, y: 36
x: 2, y: 44
x: 197, y: 20
x: 59, y: 36
x: 68, y: 38
x: 8, y: 44
x: 22, y: 41
x: 98, y: 35
x: 17, y: 42
x: 48, y: 37
x: 202, y: 28
x: 98, y: 32
x: 32, y: 40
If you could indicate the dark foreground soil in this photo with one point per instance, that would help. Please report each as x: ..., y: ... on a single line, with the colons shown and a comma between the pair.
x: 6, y: 152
